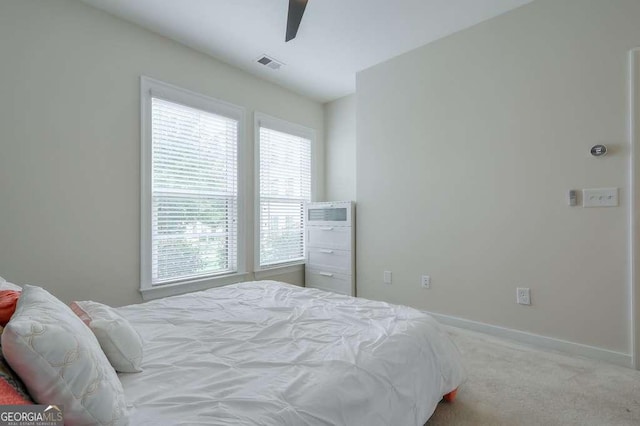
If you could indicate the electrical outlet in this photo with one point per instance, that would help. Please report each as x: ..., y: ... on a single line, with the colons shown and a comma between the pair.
x: 425, y: 281
x: 387, y: 277
x: 523, y: 296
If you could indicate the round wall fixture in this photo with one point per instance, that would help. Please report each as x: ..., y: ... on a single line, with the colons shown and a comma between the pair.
x: 598, y: 150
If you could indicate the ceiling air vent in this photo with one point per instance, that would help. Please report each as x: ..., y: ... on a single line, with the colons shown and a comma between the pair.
x: 269, y: 62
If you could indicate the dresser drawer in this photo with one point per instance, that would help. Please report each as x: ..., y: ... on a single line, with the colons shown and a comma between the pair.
x: 332, y: 259
x: 332, y: 237
x: 329, y: 281
x: 338, y: 213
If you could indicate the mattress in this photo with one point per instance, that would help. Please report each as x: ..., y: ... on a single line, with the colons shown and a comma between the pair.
x: 269, y: 353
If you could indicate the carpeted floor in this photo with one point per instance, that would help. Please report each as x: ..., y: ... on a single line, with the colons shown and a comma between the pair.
x: 512, y: 384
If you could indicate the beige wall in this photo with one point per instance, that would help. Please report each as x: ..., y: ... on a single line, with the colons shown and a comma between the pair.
x: 466, y: 149
x: 70, y: 144
x: 340, y: 149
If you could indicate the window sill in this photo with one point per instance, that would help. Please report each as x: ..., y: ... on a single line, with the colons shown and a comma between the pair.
x: 166, y: 290
x: 273, y: 271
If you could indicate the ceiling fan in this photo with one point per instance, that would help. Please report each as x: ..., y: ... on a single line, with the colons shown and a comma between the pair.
x: 296, y: 10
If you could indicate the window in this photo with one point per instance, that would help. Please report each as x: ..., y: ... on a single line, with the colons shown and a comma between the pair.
x: 284, y: 186
x: 190, y: 215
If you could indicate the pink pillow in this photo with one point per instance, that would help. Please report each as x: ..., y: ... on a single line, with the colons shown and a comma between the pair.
x: 10, y: 396
x: 8, y: 301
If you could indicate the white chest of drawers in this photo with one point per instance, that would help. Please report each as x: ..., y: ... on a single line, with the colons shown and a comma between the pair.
x: 330, y: 246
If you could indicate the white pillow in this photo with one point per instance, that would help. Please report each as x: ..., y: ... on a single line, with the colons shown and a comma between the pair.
x: 6, y: 285
x: 120, y: 342
x: 60, y: 361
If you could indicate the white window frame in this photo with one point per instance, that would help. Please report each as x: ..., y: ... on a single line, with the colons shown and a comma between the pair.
x: 280, y: 125
x: 149, y: 88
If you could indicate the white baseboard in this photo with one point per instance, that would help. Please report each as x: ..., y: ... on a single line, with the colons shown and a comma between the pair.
x: 539, y: 341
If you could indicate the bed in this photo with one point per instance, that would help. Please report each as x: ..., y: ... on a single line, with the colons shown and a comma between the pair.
x: 268, y: 353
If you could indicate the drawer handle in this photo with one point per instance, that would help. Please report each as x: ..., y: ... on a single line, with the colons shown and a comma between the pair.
x: 326, y: 251
x: 328, y: 228
x: 325, y: 274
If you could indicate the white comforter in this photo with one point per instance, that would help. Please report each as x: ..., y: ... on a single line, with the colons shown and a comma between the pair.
x: 268, y: 353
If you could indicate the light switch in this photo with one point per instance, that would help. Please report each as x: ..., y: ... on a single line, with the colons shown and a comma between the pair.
x: 600, y: 197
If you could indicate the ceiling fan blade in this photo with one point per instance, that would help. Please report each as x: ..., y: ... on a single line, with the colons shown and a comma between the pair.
x: 296, y: 10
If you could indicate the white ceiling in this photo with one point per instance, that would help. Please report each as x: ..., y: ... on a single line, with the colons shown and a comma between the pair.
x: 336, y: 39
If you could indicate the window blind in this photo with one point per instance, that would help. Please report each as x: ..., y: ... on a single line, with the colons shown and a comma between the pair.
x: 285, y: 186
x: 194, y: 193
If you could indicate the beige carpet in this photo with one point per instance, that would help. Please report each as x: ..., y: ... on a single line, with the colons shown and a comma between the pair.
x: 512, y: 384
